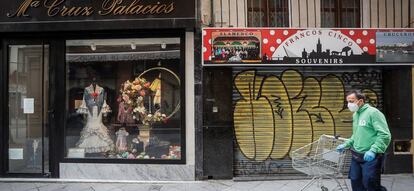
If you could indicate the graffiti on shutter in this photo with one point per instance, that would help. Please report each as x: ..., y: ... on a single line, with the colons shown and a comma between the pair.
x: 277, y: 112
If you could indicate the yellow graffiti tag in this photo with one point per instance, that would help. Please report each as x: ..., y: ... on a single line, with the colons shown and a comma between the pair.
x: 253, y: 118
x: 277, y: 114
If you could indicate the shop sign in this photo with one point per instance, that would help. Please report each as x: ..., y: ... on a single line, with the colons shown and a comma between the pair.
x: 61, y: 10
x: 267, y: 46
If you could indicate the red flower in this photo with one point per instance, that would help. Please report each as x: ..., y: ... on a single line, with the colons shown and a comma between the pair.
x: 94, y: 94
x: 165, y: 120
x: 142, y: 93
x: 147, y: 84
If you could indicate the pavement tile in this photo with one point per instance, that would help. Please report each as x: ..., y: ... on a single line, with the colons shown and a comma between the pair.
x: 246, y: 185
x: 219, y: 185
x: 228, y: 183
x: 111, y: 186
x: 23, y: 186
x: 207, y: 186
x: 5, y: 186
x: 175, y: 187
x: 77, y: 187
x: 269, y: 185
x: 50, y: 186
x: 401, y: 187
x: 139, y: 187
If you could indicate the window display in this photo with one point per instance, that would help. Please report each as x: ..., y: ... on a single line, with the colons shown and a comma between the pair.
x: 123, y: 99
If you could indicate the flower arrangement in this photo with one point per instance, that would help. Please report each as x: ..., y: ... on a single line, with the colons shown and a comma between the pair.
x: 133, y: 95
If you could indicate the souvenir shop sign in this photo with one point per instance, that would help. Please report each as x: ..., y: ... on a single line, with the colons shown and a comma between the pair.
x: 267, y: 46
x: 63, y: 10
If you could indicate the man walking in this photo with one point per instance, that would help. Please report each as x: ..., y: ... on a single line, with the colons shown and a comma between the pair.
x: 370, y: 139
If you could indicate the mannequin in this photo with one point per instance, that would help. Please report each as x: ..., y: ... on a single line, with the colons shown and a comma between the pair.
x: 94, y: 137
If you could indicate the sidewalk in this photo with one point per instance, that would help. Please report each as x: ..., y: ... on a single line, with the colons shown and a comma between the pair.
x: 401, y: 182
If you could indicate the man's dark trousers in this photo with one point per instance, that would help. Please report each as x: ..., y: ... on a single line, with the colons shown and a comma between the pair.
x: 366, y: 176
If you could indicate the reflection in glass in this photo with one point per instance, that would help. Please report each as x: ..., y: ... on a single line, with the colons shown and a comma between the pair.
x: 28, y: 99
x: 123, y: 99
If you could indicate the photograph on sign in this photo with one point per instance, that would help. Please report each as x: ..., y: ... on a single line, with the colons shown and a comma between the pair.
x: 395, y: 46
x: 236, y: 47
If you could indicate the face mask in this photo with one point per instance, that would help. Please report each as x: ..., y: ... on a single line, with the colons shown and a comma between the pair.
x: 353, y: 107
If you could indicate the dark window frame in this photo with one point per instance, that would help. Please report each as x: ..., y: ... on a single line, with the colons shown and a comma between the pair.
x: 10, y: 40
x: 338, y: 9
x: 280, y: 6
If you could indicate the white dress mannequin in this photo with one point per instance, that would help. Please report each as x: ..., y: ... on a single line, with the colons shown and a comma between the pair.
x: 94, y: 137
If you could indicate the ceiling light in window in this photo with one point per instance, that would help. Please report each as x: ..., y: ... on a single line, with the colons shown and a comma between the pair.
x: 93, y: 47
x: 133, y: 46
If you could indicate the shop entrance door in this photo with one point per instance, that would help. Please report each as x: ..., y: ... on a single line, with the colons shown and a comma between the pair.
x: 25, y: 119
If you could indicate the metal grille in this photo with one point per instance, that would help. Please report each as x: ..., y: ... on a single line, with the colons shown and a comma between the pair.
x: 306, y: 102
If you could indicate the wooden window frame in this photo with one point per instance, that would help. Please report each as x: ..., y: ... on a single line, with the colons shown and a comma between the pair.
x: 338, y: 9
x: 279, y: 6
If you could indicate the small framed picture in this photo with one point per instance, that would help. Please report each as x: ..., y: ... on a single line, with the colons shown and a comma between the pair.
x: 402, y: 147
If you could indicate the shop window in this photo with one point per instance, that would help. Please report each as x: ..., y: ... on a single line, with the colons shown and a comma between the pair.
x: 340, y: 13
x: 268, y: 13
x: 123, y: 99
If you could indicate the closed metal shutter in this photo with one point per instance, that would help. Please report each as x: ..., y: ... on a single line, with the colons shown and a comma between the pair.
x: 279, y: 109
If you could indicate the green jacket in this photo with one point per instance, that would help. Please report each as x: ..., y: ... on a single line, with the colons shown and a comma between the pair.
x: 369, y: 131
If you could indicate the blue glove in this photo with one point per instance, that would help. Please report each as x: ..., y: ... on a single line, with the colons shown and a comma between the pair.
x: 369, y: 156
x: 340, y: 148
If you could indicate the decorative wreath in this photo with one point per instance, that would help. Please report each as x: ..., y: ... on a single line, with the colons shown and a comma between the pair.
x: 134, y: 94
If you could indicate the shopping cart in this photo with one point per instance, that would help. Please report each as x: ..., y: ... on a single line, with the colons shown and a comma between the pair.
x: 321, y: 160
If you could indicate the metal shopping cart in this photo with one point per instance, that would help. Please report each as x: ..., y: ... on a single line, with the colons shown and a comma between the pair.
x: 321, y: 160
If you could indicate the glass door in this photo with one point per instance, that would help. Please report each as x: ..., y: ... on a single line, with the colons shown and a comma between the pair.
x: 28, y: 97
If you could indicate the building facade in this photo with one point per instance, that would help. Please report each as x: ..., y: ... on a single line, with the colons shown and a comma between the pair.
x: 97, y: 89
x: 276, y: 72
x: 206, y: 89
